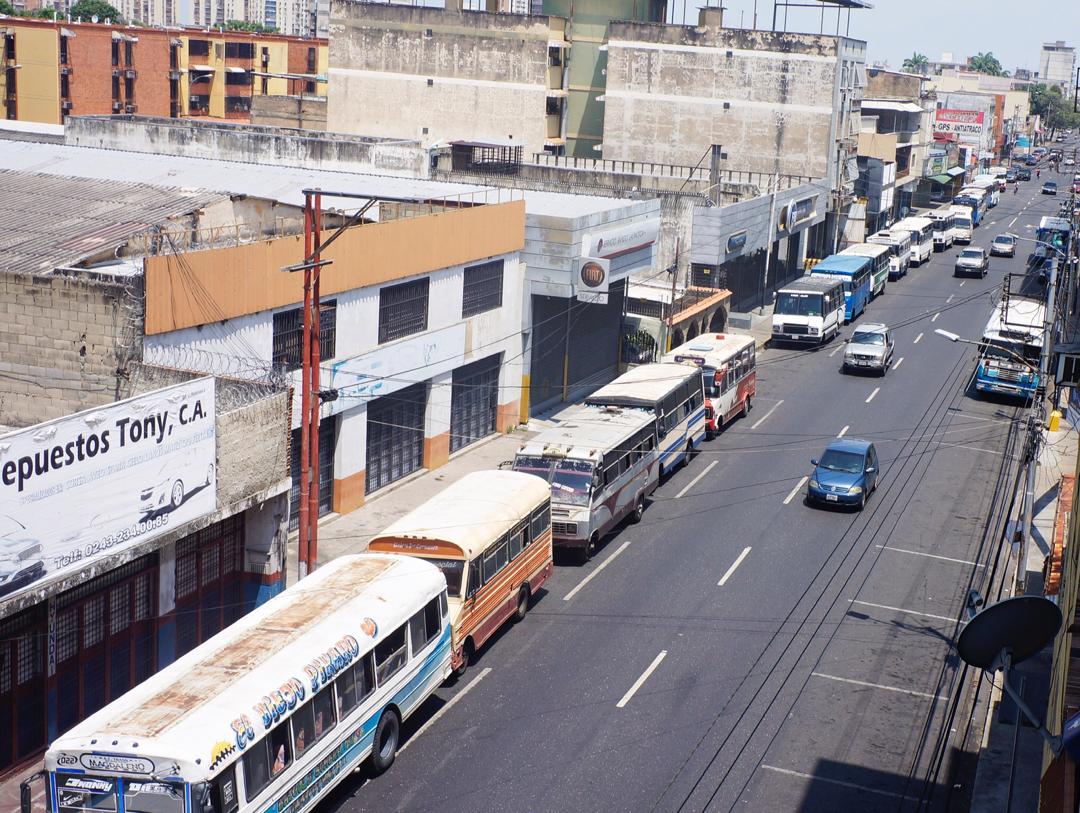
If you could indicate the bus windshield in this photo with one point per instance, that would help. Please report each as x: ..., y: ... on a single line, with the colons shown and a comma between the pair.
x: 962, y: 222
x: 796, y: 304
x: 453, y: 570
x: 571, y: 480
x: 708, y: 379
x: 85, y: 792
x: 1008, y: 351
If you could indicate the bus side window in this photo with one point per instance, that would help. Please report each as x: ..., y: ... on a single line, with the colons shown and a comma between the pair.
x: 390, y: 655
x: 515, y: 544
x: 476, y: 580
x: 425, y: 626
x: 442, y: 604
x: 256, y: 768
x: 355, y: 684
x: 228, y: 801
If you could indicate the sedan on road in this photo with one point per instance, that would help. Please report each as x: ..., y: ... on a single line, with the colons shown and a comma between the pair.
x: 846, y: 474
x: 1004, y: 245
x: 1049, y: 188
x: 1069, y: 162
x: 1023, y: 174
x: 971, y: 262
x: 869, y: 348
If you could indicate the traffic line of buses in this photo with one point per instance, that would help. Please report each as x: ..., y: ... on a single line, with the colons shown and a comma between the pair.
x: 274, y: 711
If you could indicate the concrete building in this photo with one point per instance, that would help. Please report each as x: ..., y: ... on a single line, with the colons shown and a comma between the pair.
x: 74, y: 69
x: 1057, y: 66
x: 141, y: 586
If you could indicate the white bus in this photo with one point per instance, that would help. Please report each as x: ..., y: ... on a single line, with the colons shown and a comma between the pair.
x: 963, y: 223
x: 601, y: 464
x: 921, y: 231
x: 673, y: 394
x: 275, y: 710
x: 809, y: 310
x: 899, y: 244
x: 944, y: 228
x: 1010, y: 349
x: 728, y: 365
x: 879, y: 271
x: 990, y: 185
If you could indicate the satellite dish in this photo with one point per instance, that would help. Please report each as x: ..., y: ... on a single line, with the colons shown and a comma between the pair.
x: 1022, y: 625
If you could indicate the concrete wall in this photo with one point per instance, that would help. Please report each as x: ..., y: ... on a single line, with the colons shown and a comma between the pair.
x: 882, y: 84
x: 296, y: 112
x: 667, y: 88
x: 203, y: 139
x: 438, y: 74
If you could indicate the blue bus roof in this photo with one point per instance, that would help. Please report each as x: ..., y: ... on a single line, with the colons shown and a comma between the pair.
x: 1055, y: 223
x: 841, y: 264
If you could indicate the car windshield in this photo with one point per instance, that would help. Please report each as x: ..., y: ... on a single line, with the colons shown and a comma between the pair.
x: 868, y: 337
x: 836, y: 460
x: 796, y: 304
x: 1005, y: 239
x: 571, y: 480
x: 971, y: 253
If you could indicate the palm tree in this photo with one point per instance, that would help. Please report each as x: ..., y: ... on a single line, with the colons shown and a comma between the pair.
x: 916, y: 63
x: 986, y: 63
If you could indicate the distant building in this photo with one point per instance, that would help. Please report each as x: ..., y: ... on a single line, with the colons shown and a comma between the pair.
x: 74, y: 69
x: 1057, y: 65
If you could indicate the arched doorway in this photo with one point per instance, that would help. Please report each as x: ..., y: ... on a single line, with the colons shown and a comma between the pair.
x: 677, y: 338
x: 692, y: 331
x: 719, y: 321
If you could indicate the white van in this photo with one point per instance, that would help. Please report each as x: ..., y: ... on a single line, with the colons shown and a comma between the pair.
x: 899, y: 244
x: 944, y: 230
x: 962, y: 223
x: 921, y: 231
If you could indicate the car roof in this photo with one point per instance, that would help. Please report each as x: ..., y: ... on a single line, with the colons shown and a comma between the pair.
x: 1005, y: 236
x: 849, y: 445
x: 872, y: 327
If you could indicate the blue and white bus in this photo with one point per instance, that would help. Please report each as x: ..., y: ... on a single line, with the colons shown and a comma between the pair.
x: 976, y: 199
x: 1053, y: 233
x: 1010, y: 349
x: 274, y: 711
x: 855, y: 274
x: 674, y: 394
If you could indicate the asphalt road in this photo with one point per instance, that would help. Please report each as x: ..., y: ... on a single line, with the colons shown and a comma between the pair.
x: 796, y: 658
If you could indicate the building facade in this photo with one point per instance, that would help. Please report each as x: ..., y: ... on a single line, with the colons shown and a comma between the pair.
x: 1057, y: 66
x: 74, y: 69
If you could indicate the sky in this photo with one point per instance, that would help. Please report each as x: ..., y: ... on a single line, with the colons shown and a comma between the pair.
x: 1014, y: 31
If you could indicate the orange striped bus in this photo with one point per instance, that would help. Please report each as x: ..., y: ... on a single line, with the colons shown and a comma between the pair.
x: 490, y: 535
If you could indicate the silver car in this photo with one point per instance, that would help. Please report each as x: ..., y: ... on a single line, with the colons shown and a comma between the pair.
x: 971, y: 262
x: 870, y: 349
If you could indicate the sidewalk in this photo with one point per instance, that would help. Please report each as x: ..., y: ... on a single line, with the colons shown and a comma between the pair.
x: 999, y: 767
x: 349, y: 533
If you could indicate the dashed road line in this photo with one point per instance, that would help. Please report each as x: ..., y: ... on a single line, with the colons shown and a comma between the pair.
x: 596, y: 572
x: 843, y: 431
x: 697, y: 479
x: 870, y: 685
x: 917, y: 339
x: 901, y: 610
x: 899, y: 361
x: 795, y: 490
x: 929, y: 555
x: 935, y: 316
x: 838, y: 782
x: 871, y: 396
x: 765, y: 417
x: 734, y: 566
x: 641, y: 680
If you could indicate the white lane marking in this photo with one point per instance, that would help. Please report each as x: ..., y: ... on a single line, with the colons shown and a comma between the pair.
x: 449, y: 705
x: 1013, y: 221
x: 929, y: 555
x: 870, y: 685
x: 838, y: 782
x: 935, y: 316
x: 961, y: 285
x: 843, y: 431
x: 836, y: 350
x: 870, y: 397
x: 764, y: 417
x: 596, y: 572
x: 917, y: 339
x: 734, y: 566
x: 697, y: 479
x: 901, y: 610
x: 795, y: 490
x: 899, y: 361
x: 950, y: 299
x: 644, y: 676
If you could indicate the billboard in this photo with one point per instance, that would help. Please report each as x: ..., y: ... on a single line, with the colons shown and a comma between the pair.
x: 959, y: 125
x: 80, y: 487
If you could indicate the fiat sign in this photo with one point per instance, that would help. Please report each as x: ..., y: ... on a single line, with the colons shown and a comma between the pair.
x: 591, y: 279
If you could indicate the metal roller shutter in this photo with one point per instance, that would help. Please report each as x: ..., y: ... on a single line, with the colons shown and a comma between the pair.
x: 474, y: 402
x: 395, y: 436
x: 327, y: 438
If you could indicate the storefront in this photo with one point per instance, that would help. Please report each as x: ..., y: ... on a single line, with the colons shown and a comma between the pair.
x: 474, y: 401
x: 395, y: 436
x: 327, y: 442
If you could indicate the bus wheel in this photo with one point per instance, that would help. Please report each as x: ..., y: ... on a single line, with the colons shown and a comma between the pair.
x: 384, y: 748
x: 589, y: 548
x: 639, y: 510
x: 466, y: 658
x: 522, y: 603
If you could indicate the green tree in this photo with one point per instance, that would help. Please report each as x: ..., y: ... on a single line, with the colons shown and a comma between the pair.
x: 7, y: 8
x: 244, y: 25
x: 87, y: 9
x: 45, y: 14
x: 986, y: 63
x: 1055, y: 110
x: 917, y: 63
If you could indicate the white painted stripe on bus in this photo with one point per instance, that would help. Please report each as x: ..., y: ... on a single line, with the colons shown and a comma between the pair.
x: 734, y: 567
x: 641, y: 680
x: 764, y: 417
x: 596, y: 572
x: 843, y: 431
x: 870, y: 397
x: 917, y: 339
x: 795, y: 490
x: 449, y: 705
x: 697, y: 479
x: 899, y: 361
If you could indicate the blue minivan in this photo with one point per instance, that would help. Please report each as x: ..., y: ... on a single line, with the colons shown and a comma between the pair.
x: 846, y: 473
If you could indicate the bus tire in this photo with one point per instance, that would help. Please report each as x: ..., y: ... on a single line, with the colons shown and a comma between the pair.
x: 589, y: 548
x: 522, y: 603
x: 466, y: 659
x: 639, y: 510
x: 384, y: 746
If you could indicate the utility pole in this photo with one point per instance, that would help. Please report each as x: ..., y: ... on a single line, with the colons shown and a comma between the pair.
x: 774, y: 187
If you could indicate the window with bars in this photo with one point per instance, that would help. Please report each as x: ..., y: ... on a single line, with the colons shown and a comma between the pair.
x: 289, y: 335
x: 23, y: 691
x: 209, y: 582
x: 403, y: 309
x: 483, y: 289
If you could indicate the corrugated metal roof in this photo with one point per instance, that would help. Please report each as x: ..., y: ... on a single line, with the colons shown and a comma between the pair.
x: 48, y: 221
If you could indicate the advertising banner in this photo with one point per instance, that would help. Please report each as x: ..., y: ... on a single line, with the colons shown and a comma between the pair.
x: 591, y: 279
x: 959, y: 125
x: 80, y: 487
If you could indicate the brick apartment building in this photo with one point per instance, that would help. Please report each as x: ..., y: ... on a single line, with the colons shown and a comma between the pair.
x: 53, y: 70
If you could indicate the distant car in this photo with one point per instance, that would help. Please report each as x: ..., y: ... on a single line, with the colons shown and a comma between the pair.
x: 1023, y: 174
x: 1004, y: 245
x: 971, y: 261
x: 20, y: 556
x: 1031, y: 160
x: 1068, y: 162
x: 1010, y: 176
x: 1049, y: 188
x: 846, y: 474
x: 870, y: 348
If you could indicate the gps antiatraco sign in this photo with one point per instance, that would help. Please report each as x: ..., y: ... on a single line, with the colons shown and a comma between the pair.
x: 960, y: 125
x: 90, y: 484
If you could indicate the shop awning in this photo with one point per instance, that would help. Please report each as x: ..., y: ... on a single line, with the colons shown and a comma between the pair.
x: 554, y: 142
x: 942, y: 179
x: 888, y: 104
x: 954, y: 171
x: 557, y: 93
x: 202, y: 68
x: 236, y: 70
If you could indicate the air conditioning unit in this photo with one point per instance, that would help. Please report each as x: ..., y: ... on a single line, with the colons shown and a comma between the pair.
x: 117, y: 107
x: 194, y: 100
x: 131, y: 108
x: 66, y: 70
x: 130, y: 73
x: 174, y: 76
x: 65, y: 104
